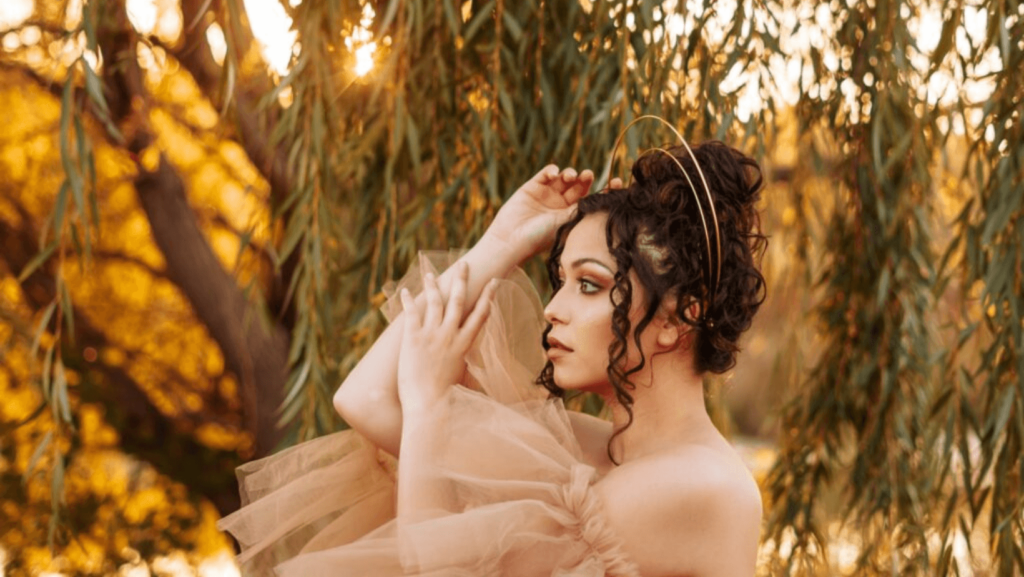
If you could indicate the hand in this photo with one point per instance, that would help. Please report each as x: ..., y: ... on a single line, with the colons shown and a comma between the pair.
x: 435, y: 340
x: 527, y: 222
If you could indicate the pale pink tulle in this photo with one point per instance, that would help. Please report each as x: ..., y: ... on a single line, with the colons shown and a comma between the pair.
x: 510, y: 463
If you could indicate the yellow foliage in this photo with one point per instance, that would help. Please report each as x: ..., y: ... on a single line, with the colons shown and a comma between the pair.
x: 149, y: 329
x: 93, y: 430
x: 225, y: 245
x: 85, y: 554
x: 214, y: 363
x: 15, y: 159
x: 219, y: 437
x: 112, y: 356
x: 788, y: 216
x: 142, y: 504
x: 37, y: 558
x: 208, y: 539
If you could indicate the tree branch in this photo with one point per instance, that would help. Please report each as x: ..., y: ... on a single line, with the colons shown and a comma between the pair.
x: 162, y: 441
x: 50, y: 85
x: 257, y: 355
x: 253, y: 124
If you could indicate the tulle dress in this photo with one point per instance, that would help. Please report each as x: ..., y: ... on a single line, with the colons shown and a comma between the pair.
x: 518, y: 494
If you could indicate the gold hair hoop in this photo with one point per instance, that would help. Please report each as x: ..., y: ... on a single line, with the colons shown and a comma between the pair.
x: 712, y: 289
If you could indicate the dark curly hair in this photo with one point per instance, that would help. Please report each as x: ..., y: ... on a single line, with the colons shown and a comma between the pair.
x: 655, y: 229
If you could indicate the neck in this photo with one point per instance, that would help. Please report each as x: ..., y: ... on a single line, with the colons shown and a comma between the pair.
x: 668, y: 410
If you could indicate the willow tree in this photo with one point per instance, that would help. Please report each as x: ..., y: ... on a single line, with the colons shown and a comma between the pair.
x: 904, y: 433
x: 913, y: 415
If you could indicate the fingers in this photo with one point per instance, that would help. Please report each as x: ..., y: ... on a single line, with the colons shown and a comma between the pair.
x: 547, y: 174
x: 476, y: 319
x: 563, y: 182
x: 578, y: 187
x: 615, y: 183
x: 456, y: 298
x: 568, y: 183
x: 435, y: 305
x: 410, y: 310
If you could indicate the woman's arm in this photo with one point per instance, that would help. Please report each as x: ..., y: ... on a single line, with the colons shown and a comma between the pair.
x: 525, y: 225
x: 368, y: 398
x: 435, y: 340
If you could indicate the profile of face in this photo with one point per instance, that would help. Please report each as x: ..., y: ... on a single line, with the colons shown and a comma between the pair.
x: 580, y: 312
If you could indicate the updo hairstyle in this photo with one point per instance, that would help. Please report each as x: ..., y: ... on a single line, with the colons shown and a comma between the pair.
x: 655, y: 229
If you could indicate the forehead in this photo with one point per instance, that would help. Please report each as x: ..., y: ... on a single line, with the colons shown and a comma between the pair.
x: 588, y: 239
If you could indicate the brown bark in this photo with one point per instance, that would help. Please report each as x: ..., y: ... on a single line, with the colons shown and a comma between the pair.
x: 256, y: 356
x: 252, y: 126
x: 163, y: 441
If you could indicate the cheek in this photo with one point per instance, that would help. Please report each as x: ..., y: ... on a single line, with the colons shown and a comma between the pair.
x: 597, y: 325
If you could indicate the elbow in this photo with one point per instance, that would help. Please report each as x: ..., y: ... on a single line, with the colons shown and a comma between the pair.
x: 343, y: 403
x: 352, y: 401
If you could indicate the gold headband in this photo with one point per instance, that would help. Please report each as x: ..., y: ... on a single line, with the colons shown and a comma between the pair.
x: 714, y: 264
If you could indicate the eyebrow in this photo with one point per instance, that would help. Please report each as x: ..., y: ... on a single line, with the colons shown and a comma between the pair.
x: 581, y: 261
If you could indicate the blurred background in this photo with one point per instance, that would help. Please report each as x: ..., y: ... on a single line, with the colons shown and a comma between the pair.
x: 200, y: 201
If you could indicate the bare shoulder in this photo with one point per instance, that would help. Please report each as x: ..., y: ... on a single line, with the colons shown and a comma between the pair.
x: 696, y: 512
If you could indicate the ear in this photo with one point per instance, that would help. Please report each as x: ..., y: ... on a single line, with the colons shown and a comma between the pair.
x: 669, y: 334
x: 670, y: 331
x: 673, y: 332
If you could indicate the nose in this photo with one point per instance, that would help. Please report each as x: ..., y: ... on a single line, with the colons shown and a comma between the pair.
x: 554, y: 313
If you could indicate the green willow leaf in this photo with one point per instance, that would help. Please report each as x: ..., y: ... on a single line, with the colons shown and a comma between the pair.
x: 297, y: 380
x: 60, y: 392
x: 484, y: 14
x: 67, y: 310
x: 44, y: 322
x: 36, y: 455
x: 36, y: 261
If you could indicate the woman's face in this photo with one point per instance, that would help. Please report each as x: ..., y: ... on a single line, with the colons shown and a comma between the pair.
x: 580, y: 313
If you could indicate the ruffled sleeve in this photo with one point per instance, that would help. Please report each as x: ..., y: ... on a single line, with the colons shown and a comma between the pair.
x: 519, y: 499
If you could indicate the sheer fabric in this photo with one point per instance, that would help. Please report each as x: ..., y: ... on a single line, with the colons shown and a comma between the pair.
x: 519, y: 498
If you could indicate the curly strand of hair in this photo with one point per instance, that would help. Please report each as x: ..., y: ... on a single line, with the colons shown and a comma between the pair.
x: 617, y: 351
x: 622, y: 326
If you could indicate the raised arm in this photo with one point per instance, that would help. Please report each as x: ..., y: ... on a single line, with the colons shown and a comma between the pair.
x: 525, y: 225
x: 368, y: 398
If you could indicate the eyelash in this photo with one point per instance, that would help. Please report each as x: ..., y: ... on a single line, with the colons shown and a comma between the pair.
x: 583, y: 283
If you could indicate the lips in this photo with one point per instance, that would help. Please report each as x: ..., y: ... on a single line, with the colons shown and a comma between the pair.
x: 554, y: 343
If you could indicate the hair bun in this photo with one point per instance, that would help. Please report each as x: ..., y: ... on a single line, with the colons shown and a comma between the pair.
x: 734, y: 177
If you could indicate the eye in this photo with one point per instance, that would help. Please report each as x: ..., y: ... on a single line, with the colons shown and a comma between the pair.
x: 589, y: 287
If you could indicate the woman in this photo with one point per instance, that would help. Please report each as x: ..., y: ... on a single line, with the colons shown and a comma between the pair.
x: 642, y: 306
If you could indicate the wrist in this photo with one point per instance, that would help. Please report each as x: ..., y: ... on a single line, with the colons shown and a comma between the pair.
x: 422, y: 409
x: 503, y: 252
